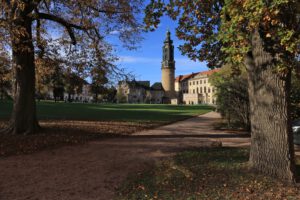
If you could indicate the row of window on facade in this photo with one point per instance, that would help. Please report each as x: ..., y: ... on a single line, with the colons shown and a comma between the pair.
x: 197, y: 82
x: 200, y: 91
x: 199, y: 102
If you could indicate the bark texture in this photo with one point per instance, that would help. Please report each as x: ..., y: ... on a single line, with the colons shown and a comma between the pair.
x: 23, y: 119
x: 272, y: 150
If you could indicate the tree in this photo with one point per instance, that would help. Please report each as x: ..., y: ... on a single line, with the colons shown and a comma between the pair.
x: 57, y: 83
x: 262, y: 35
x: 99, y: 80
x: 110, y: 94
x: 232, y: 96
x: 295, y: 97
x: 44, y: 73
x: 121, y: 98
x: 25, y: 27
x: 5, y: 75
x: 73, y: 84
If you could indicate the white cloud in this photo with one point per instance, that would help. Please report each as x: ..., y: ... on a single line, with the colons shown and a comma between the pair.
x: 138, y: 60
x: 115, y: 32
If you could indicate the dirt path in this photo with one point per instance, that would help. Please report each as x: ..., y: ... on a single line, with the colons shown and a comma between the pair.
x: 92, y: 171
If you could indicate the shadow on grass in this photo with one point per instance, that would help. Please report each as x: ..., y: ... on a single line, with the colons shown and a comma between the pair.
x: 205, y: 173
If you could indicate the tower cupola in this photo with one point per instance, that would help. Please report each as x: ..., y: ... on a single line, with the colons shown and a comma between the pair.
x: 168, y: 69
x: 168, y: 52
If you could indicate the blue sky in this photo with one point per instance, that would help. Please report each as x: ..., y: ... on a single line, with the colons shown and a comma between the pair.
x: 145, y: 62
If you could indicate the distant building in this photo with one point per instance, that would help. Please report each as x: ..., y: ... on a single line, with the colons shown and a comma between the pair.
x: 195, y: 88
x: 139, y: 92
x: 185, y: 89
x: 84, y: 96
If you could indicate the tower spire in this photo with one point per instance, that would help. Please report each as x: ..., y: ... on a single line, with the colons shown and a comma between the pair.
x: 168, y: 52
x: 168, y: 68
x: 168, y: 35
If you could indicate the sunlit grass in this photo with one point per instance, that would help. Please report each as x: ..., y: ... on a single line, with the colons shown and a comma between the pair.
x: 111, y: 112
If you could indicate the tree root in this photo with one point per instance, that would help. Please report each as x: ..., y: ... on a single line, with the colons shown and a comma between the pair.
x: 8, y: 130
x: 12, y: 130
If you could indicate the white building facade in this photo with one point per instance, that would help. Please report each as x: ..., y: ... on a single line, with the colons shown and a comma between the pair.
x: 195, y: 88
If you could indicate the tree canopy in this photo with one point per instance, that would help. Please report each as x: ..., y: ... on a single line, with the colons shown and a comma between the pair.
x: 232, y: 96
x: 264, y: 36
x: 71, y: 32
x: 219, y: 31
x: 86, y: 23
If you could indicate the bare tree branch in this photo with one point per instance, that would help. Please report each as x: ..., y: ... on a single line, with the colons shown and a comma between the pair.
x: 69, y: 26
x: 116, y: 11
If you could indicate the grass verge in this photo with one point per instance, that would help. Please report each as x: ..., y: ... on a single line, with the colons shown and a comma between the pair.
x: 207, y: 173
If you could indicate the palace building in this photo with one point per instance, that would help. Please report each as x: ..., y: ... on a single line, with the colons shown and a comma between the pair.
x: 184, y: 89
x: 195, y: 88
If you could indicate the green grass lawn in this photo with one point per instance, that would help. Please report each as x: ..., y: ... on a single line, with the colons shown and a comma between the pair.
x: 110, y: 112
x: 205, y: 173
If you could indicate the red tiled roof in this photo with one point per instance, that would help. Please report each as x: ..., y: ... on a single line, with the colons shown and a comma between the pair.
x: 187, y: 76
x: 209, y: 72
x: 183, y: 77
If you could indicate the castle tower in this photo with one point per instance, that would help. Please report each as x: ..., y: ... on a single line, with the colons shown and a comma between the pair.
x: 168, y: 69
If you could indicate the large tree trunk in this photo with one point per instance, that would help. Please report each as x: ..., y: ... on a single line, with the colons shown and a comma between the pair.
x: 272, y: 150
x: 23, y: 119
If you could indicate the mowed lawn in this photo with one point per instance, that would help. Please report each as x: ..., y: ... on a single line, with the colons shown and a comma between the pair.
x: 110, y: 112
x: 73, y: 123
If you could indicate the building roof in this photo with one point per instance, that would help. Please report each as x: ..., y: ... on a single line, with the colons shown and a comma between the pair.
x: 181, y: 78
x: 134, y: 83
x: 157, y: 86
x: 143, y: 84
x: 209, y: 72
x: 184, y: 77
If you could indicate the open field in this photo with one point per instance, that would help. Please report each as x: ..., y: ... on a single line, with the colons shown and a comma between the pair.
x: 74, y: 123
x: 110, y: 112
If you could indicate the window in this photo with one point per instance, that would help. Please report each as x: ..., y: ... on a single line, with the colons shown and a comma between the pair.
x: 204, y: 81
x: 204, y: 89
x: 190, y: 83
x: 208, y: 90
x: 197, y: 83
x: 200, y: 81
x: 193, y: 82
x: 197, y: 90
x: 201, y: 90
x: 193, y: 91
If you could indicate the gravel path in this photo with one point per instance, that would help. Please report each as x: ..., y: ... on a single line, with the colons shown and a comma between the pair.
x: 92, y: 171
